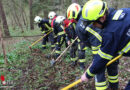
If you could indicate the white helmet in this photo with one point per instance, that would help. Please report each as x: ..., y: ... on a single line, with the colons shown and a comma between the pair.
x: 37, y: 19
x: 59, y: 19
x: 51, y: 15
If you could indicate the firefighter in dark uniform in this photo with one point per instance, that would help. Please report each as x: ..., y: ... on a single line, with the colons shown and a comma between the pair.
x: 83, y: 44
x: 58, y: 30
x: 45, y: 27
x: 115, y: 40
x: 92, y: 36
x: 74, y: 13
x: 70, y: 36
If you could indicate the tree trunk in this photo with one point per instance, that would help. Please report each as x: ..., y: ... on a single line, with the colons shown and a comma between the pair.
x: 16, y: 15
x: 21, y: 7
x: 13, y: 19
x: 31, y: 15
x: 3, y: 47
x: 74, y: 1
x: 13, y: 22
x: 26, y: 18
x: 13, y: 16
x: 116, y: 4
x: 5, y: 25
x: 46, y: 13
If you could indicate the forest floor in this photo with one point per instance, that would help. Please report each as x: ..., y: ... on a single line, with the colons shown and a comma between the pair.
x: 31, y: 70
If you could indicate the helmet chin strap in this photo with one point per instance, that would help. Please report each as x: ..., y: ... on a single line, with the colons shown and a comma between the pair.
x: 103, y: 24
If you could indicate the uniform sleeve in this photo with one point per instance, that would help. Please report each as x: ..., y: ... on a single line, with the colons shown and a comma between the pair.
x: 60, y: 29
x: 45, y: 21
x: 46, y: 24
x: 105, y: 54
x: 41, y: 27
x: 70, y: 31
x: 67, y: 34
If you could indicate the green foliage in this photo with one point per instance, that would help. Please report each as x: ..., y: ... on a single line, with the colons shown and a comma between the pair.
x: 27, y: 32
x: 31, y: 70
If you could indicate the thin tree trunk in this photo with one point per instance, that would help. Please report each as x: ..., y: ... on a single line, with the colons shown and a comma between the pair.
x: 26, y: 18
x: 16, y: 16
x: 22, y: 13
x: 13, y: 16
x: 46, y: 13
x: 5, y: 25
x: 116, y: 4
x: 13, y: 22
x: 3, y: 47
x: 31, y: 15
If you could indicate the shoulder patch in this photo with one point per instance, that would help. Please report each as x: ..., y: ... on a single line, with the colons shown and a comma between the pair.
x: 128, y: 33
x: 82, y: 25
x: 119, y: 15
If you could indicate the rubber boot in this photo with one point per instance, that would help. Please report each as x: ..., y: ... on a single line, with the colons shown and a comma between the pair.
x: 74, y: 63
x: 82, y: 67
x: 43, y: 48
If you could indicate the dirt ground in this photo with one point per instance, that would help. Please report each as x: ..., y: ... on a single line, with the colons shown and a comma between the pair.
x: 36, y: 73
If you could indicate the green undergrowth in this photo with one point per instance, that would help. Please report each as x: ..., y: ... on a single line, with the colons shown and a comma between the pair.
x: 29, y: 69
x: 27, y: 32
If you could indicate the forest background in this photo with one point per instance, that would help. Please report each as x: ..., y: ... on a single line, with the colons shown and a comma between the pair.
x: 27, y: 69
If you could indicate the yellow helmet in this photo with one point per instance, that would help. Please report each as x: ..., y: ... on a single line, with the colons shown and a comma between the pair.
x: 93, y: 10
x: 73, y: 11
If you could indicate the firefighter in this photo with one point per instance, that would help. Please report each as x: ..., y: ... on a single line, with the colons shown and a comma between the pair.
x: 74, y: 13
x: 115, y: 40
x: 58, y: 31
x: 45, y: 27
x: 69, y: 29
x: 70, y: 36
x: 91, y: 37
x: 61, y: 20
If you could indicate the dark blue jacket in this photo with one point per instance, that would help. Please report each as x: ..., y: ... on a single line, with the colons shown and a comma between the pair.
x: 80, y: 31
x: 116, y: 40
x: 89, y: 35
x: 70, y: 31
x: 58, y: 28
x: 43, y: 26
